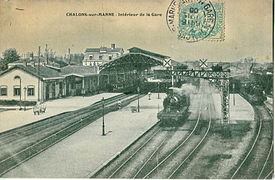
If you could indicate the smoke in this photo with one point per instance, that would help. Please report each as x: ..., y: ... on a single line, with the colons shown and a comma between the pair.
x: 186, y: 89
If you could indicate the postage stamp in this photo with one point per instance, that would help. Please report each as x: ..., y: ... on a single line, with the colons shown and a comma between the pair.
x: 196, y: 20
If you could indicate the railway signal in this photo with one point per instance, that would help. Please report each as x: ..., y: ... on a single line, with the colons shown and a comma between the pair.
x: 203, y: 63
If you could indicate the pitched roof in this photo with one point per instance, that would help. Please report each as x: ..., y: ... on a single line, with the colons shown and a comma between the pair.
x: 44, y: 72
x: 139, y: 50
x: 78, y: 70
x: 132, y: 61
x: 104, y: 49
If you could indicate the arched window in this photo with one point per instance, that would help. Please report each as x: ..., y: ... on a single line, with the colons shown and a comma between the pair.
x: 17, y: 77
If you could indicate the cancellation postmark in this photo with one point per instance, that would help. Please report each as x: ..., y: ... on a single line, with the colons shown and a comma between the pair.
x: 196, y: 20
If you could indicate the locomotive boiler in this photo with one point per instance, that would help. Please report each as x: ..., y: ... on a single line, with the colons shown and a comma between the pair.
x: 175, y: 109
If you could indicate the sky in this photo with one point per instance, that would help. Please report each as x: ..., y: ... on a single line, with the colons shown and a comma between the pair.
x: 248, y: 28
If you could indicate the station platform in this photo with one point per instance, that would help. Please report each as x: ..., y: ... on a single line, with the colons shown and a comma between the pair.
x: 241, y: 111
x: 81, y: 154
x: 13, y: 118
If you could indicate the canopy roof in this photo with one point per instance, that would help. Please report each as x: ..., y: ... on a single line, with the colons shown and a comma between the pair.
x: 132, y: 61
x: 139, y: 50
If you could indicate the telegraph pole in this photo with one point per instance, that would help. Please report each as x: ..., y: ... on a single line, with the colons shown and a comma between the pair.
x: 47, y: 61
x: 69, y: 51
x: 138, y: 97
x: 172, y: 77
x: 38, y: 83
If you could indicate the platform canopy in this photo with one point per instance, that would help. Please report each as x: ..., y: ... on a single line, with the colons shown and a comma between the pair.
x: 137, y: 59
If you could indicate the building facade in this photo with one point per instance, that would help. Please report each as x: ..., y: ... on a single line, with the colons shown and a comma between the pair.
x: 24, y: 83
x: 41, y: 83
x: 98, y: 56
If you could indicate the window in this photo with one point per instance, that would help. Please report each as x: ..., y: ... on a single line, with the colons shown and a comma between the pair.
x: 16, y: 91
x: 90, y: 57
x: 100, y: 57
x: 30, y: 91
x: 3, y: 91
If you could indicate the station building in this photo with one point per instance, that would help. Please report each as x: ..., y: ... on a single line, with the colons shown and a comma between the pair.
x: 33, y: 83
x: 26, y: 81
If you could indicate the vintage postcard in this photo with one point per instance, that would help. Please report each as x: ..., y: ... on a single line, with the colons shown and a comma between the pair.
x: 154, y: 89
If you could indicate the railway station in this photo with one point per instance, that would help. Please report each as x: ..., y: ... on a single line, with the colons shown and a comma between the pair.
x: 143, y: 115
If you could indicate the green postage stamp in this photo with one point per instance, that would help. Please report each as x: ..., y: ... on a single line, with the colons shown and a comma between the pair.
x: 196, y: 20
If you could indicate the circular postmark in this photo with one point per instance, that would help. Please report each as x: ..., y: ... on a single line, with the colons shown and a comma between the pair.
x: 196, y: 19
x: 170, y: 15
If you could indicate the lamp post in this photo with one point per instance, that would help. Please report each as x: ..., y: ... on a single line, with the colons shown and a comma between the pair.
x: 158, y: 91
x: 20, y: 84
x: 25, y: 98
x: 103, y: 123
x: 138, y: 97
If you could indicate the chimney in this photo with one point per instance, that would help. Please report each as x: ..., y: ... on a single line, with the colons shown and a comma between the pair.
x: 113, y: 46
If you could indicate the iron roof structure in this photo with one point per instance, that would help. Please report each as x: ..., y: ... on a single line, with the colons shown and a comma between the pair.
x: 139, y: 50
x: 132, y: 61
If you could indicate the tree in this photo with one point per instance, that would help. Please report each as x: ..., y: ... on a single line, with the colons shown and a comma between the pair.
x: 10, y: 55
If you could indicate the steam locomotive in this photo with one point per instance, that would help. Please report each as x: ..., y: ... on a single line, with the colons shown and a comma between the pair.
x: 175, y: 109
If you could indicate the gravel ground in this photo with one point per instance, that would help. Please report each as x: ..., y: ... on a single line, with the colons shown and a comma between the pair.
x: 252, y: 167
x: 225, y: 155
x: 219, y: 155
x: 142, y: 156
x: 167, y: 168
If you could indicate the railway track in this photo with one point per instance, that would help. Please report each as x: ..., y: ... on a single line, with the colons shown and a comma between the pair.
x: 146, y: 160
x: 174, y: 162
x: 20, y: 144
x: 192, y: 153
x: 258, y: 161
x: 25, y: 134
x: 24, y: 130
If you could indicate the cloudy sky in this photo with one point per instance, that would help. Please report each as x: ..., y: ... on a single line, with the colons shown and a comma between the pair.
x: 248, y: 28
